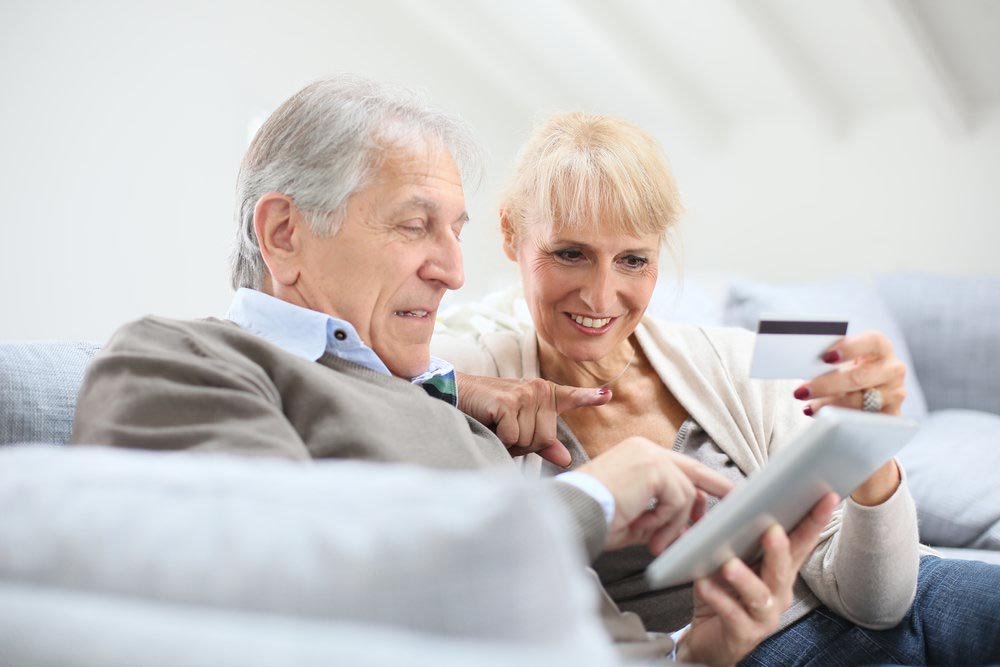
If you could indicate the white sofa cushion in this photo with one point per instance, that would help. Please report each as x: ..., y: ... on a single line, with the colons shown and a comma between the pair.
x: 43, y: 627
x: 463, y: 555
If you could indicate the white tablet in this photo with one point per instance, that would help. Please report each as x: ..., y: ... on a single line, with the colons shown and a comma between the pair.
x: 836, y: 453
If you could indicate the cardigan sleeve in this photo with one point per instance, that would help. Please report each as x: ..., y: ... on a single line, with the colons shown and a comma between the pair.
x: 865, y: 565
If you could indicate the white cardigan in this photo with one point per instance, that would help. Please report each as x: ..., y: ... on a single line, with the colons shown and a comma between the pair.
x: 865, y: 566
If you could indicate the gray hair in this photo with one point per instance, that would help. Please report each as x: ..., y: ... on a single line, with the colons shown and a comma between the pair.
x: 326, y: 143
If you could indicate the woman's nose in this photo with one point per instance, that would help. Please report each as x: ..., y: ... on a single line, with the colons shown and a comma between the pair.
x: 598, y: 291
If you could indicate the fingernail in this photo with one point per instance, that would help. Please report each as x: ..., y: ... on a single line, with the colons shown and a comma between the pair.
x: 832, y: 357
x: 808, y: 411
x: 802, y: 393
x: 603, y: 391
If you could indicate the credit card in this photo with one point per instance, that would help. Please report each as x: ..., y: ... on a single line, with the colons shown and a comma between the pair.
x: 792, y: 349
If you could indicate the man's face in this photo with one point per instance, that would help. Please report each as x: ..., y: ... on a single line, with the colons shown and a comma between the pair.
x: 397, y: 251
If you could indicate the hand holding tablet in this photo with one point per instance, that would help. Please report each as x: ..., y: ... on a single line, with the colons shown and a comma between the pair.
x: 837, y: 453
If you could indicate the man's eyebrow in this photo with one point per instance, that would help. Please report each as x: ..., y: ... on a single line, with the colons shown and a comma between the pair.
x: 429, y: 205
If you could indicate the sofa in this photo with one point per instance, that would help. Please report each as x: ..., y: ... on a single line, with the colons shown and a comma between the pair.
x: 112, y: 557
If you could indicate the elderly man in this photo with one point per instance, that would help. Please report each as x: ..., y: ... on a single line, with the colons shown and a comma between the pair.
x: 350, y: 211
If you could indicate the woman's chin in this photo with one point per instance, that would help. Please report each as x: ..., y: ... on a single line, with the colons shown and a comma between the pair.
x: 583, y: 353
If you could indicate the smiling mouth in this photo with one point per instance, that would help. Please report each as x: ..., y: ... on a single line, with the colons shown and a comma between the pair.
x: 412, y: 313
x: 590, y: 322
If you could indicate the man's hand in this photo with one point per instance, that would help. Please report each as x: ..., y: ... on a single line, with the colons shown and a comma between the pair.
x: 637, y: 471
x: 738, y: 607
x: 523, y: 413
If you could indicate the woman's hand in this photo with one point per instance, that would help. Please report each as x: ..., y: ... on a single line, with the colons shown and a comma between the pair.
x: 523, y: 413
x: 862, y: 362
x: 737, y: 608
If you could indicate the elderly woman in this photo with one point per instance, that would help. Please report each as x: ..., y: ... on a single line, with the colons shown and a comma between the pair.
x: 585, y: 216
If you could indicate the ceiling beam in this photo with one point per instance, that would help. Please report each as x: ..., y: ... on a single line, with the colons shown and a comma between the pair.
x: 928, y: 66
x: 462, y: 34
x: 818, y: 94
x: 633, y: 34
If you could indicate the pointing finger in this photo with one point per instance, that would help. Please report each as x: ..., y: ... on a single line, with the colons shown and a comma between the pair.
x: 703, y: 477
x: 570, y: 398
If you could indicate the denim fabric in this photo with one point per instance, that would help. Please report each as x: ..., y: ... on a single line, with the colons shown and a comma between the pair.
x: 954, y: 620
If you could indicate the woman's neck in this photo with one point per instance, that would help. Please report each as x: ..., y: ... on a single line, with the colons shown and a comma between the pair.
x: 558, y: 368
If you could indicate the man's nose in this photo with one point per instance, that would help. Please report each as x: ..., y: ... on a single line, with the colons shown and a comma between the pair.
x: 445, y: 263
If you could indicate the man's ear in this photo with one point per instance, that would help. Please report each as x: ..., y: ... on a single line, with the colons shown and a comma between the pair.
x: 509, y: 235
x: 277, y: 223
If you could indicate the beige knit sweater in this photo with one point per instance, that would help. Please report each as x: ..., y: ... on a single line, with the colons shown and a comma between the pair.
x: 865, y: 566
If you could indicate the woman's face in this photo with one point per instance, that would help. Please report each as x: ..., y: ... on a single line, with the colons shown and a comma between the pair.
x: 587, y: 290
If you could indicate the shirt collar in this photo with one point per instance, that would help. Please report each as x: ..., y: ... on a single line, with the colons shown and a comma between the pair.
x: 308, y: 333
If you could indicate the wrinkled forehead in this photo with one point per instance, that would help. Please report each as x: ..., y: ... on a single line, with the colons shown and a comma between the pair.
x: 402, y: 148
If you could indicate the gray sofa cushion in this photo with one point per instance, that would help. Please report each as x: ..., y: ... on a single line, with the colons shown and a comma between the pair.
x: 952, y: 325
x: 953, y: 470
x: 849, y: 298
x: 38, y: 387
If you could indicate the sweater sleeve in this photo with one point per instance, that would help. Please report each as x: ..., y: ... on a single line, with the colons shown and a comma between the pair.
x: 155, y: 387
x: 865, y: 565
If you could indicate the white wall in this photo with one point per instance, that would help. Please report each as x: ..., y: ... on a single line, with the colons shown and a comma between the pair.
x: 122, y: 126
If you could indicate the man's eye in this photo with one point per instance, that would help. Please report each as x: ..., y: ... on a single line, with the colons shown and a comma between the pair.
x: 634, y: 261
x: 413, y: 229
x: 569, y: 255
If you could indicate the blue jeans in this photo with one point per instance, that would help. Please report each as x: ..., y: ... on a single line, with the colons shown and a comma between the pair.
x: 954, y: 620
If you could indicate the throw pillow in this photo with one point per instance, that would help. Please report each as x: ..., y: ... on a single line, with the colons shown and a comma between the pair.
x: 952, y: 326
x: 38, y: 387
x: 953, y: 470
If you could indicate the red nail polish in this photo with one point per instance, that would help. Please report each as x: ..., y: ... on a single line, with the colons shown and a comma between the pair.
x: 802, y: 393
x: 808, y: 411
x: 832, y: 357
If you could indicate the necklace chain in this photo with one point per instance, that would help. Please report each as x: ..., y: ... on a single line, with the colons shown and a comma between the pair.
x: 622, y: 371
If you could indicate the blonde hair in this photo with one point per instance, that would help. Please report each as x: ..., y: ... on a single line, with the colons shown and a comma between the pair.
x: 582, y: 170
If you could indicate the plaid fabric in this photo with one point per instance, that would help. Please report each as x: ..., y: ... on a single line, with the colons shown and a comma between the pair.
x: 442, y: 386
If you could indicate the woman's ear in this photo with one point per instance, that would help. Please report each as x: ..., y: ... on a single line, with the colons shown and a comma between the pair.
x: 278, y: 225
x: 509, y: 235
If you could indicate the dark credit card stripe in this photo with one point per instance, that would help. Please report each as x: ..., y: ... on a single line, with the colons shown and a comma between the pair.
x: 809, y: 328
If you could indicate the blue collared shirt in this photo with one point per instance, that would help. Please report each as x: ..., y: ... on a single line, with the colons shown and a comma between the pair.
x: 310, y: 334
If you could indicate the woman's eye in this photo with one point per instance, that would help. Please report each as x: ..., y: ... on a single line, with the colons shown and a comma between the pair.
x: 569, y: 255
x: 634, y: 261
